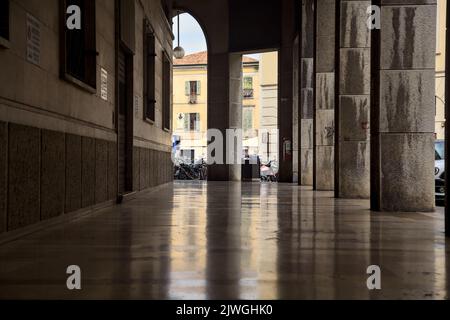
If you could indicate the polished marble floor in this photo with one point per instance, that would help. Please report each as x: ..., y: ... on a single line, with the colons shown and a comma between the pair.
x: 233, y: 241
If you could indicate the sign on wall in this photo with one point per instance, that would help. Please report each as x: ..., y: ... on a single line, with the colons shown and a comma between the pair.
x: 104, y: 84
x: 136, y: 106
x: 33, y: 40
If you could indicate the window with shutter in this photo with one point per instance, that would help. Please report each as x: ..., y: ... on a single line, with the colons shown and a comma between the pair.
x: 166, y: 85
x: 197, y: 122
x: 149, y: 73
x: 193, y: 92
x: 188, y: 154
x: 4, y: 19
x: 247, y: 118
x: 79, y: 56
x: 191, y: 122
x: 248, y: 87
x: 248, y: 83
x: 187, y: 120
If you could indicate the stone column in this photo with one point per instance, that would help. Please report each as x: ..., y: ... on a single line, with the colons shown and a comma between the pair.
x: 402, y: 122
x: 235, y: 114
x: 307, y: 95
x: 324, y: 103
x: 218, y: 108
x: 295, y: 111
x: 353, y: 101
x: 285, y: 90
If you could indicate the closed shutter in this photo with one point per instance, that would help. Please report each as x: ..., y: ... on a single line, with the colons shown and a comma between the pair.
x: 197, y: 122
x: 80, y: 51
x: 186, y: 121
x: 127, y: 23
x: 187, y: 88
x: 91, y: 44
x: 4, y: 19
x: 76, y: 46
x: 247, y: 119
x: 198, y: 88
x: 248, y: 83
x: 150, y: 77
x: 122, y: 121
x: 166, y: 86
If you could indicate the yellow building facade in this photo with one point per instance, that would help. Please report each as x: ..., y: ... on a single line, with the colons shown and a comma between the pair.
x: 190, y: 110
x: 440, y: 70
x: 251, y: 105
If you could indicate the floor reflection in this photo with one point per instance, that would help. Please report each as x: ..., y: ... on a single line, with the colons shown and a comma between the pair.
x: 233, y: 241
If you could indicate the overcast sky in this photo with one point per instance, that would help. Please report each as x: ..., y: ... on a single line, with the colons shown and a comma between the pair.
x: 191, y: 35
x: 192, y: 38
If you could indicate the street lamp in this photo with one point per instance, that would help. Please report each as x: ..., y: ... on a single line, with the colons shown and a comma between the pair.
x: 178, y: 52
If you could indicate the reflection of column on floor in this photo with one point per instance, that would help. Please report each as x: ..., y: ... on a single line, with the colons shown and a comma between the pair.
x: 288, y: 245
x: 223, y: 231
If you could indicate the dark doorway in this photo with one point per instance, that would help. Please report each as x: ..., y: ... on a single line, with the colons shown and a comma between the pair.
x: 125, y: 121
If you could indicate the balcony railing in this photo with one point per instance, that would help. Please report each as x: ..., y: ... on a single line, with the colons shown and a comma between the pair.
x: 248, y: 93
x: 193, y: 99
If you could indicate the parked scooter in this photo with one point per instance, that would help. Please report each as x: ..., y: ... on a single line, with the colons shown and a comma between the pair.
x: 269, y: 172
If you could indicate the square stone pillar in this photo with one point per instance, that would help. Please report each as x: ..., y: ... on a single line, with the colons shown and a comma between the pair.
x: 324, y: 125
x: 235, y: 114
x: 218, y: 107
x: 353, y: 100
x: 295, y: 111
x: 403, y: 90
x: 306, y: 104
x: 285, y: 97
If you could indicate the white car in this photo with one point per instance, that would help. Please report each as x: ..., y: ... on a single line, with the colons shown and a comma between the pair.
x: 439, y: 169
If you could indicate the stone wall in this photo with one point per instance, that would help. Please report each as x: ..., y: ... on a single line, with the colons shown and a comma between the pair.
x: 44, y: 173
x: 58, y: 150
x: 151, y: 168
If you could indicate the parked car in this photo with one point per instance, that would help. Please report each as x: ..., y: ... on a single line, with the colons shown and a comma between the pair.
x: 439, y: 170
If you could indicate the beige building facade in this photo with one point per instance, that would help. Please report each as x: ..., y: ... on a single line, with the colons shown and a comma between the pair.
x: 269, y: 106
x: 190, y: 85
